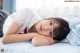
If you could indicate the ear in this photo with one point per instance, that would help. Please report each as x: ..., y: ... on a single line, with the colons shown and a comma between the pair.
x: 50, y: 17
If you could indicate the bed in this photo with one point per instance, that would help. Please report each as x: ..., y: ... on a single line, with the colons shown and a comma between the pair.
x: 62, y: 47
x: 26, y: 47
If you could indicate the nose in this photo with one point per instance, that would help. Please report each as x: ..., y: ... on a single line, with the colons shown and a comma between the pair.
x: 46, y: 28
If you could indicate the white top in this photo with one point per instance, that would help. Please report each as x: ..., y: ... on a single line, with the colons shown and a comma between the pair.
x: 24, y: 18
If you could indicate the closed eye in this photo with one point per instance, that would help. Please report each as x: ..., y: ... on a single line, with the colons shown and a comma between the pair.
x: 50, y: 22
x: 50, y: 33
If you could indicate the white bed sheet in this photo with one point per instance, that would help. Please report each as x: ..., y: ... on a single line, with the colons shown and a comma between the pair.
x: 26, y: 47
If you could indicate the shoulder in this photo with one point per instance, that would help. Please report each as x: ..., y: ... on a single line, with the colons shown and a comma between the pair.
x: 29, y: 10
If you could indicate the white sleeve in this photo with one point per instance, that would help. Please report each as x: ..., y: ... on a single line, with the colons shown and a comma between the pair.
x: 21, y: 16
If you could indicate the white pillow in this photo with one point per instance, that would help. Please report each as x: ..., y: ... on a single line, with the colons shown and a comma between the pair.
x: 74, y: 35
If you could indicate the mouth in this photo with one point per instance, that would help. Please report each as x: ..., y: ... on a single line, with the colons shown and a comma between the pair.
x: 41, y: 27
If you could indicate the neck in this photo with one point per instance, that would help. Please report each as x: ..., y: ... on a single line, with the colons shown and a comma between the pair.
x: 33, y: 28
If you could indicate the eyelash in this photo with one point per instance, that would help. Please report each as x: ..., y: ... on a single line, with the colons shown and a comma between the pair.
x: 50, y: 22
x: 50, y: 33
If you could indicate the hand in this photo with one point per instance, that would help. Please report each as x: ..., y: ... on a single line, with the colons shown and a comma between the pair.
x: 50, y: 39
x: 42, y: 40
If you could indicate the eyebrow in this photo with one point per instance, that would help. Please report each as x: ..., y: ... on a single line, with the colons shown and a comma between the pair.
x: 53, y: 21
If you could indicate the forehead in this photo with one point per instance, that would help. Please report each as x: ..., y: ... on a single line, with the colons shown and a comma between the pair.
x: 55, y: 22
x: 55, y: 25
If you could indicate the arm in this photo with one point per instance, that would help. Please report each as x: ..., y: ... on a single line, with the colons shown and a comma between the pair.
x: 11, y: 36
x: 20, y: 18
x: 42, y: 40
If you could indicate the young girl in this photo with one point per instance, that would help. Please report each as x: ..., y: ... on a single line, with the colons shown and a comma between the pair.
x: 27, y: 25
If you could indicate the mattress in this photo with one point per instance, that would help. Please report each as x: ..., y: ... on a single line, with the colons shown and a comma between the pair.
x: 26, y: 47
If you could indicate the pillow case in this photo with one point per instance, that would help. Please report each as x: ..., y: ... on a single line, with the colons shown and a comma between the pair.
x: 74, y: 35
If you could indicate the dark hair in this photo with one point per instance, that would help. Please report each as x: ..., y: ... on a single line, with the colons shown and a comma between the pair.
x: 62, y: 31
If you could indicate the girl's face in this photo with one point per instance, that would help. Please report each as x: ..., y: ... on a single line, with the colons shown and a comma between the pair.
x: 46, y: 27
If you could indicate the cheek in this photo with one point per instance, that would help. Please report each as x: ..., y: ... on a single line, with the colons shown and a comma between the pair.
x: 44, y: 22
x: 38, y: 28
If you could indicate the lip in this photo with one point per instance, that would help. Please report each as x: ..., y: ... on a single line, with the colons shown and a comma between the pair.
x: 41, y: 27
